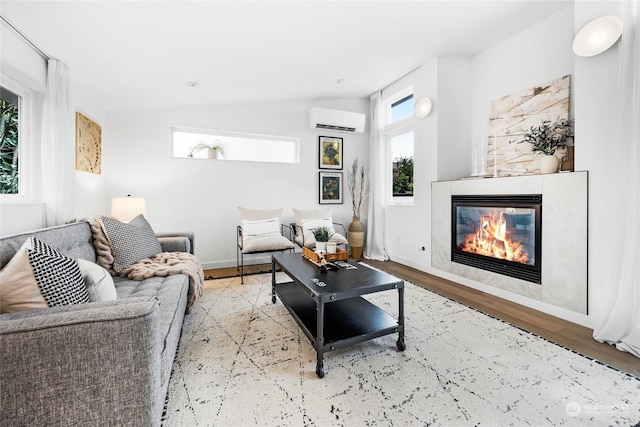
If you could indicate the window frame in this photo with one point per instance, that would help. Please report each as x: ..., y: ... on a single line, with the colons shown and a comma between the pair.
x: 389, y: 131
x: 387, y: 104
x: 234, y: 134
x: 391, y: 199
x: 26, y: 142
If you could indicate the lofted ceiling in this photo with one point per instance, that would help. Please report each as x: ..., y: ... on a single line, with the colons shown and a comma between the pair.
x: 141, y: 54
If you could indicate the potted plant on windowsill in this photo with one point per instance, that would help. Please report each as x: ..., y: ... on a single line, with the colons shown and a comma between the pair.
x: 321, y: 235
x: 547, y: 139
x: 214, y: 150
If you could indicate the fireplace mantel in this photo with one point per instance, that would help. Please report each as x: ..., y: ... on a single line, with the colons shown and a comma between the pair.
x: 564, y: 235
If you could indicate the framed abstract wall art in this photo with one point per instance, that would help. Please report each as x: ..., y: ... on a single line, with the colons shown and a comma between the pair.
x: 330, y: 187
x: 330, y: 150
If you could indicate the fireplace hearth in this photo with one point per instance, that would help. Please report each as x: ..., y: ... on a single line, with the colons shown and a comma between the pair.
x: 498, y: 233
x: 560, y: 255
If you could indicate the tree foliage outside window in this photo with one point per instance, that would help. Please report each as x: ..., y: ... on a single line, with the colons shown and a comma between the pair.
x: 9, y: 111
x: 403, y: 177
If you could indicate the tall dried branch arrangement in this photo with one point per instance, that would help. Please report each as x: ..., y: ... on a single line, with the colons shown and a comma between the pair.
x: 358, y: 186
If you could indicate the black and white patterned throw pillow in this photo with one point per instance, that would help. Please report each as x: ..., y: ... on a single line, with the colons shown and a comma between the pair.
x: 57, y: 275
x: 131, y: 241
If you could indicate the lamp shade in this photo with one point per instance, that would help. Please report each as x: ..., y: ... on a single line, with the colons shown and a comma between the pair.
x: 126, y: 208
x: 597, y: 36
x: 423, y: 107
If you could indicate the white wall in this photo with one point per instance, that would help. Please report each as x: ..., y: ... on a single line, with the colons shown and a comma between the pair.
x: 23, y: 69
x: 598, y: 150
x: 203, y: 195
x: 537, y: 54
x: 441, y: 151
x: 91, y: 188
x: 22, y: 65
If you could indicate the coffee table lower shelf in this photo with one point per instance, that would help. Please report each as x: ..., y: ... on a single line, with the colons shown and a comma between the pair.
x: 345, y: 322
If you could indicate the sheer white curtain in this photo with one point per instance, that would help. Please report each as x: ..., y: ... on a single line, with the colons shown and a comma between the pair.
x: 622, y: 326
x: 58, y: 146
x: 375, y: 247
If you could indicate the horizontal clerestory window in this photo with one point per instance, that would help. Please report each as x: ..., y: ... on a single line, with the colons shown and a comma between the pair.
x: 227, y: 145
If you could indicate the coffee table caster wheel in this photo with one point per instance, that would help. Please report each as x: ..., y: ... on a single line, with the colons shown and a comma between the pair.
x: 273, y: 299
x: 320, y: 370
x: 401, y: 345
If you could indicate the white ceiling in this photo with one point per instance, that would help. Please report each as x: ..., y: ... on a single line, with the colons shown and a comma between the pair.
x: 140, y: 54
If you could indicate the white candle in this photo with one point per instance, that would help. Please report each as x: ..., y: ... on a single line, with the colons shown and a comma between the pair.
x: 495, y: 154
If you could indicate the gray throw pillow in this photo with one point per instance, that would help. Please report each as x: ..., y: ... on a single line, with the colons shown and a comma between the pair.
x: 131, y: 241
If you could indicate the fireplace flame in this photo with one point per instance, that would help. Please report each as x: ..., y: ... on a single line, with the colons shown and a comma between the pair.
x: 491, y: 240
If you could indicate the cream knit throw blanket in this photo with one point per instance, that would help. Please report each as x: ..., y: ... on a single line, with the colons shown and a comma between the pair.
x: 160, y: 265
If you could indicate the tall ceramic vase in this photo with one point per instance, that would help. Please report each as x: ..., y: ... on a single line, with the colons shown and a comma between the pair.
x: 356, y: 237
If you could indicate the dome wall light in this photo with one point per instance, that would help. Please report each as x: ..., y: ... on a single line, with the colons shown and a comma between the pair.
x: 423, y: 107
x: 597, y: 36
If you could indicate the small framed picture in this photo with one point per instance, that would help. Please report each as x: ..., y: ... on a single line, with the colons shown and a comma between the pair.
x: 330, y: 152
x: 330, y: 187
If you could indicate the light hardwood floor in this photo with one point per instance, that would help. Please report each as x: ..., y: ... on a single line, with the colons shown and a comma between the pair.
x: 566, y: 334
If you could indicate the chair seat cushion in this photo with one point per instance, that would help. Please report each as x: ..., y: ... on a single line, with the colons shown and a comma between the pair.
x: 265, y: 244
x: 306, y: 225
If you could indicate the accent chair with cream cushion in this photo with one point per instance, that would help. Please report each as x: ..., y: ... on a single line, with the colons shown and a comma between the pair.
x: 260, y: 231
x: 307, y: 220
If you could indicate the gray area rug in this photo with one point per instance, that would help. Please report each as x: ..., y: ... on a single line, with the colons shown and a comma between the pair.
x: 244, y: 361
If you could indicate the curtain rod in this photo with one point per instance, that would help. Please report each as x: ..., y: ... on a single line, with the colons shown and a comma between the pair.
x: 25, y: 38
x: 399, y: 78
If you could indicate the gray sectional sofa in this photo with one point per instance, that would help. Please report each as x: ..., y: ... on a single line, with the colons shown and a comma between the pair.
x: 98, y: 363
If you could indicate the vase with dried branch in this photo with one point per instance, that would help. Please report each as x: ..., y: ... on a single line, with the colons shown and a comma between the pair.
x: 358, y: 187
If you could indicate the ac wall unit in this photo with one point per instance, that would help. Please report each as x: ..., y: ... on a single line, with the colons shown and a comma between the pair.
x: 336, y: 120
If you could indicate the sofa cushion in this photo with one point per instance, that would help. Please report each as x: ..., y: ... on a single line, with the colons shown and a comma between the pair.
x: 19, y: 290
x: 267, y: 243
x: 131, y: 241
x: 98, y: 281
x: 37, y: 268
x: 306, y: 221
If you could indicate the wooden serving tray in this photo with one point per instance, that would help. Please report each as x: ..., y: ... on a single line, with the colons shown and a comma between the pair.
x: 340, y: 255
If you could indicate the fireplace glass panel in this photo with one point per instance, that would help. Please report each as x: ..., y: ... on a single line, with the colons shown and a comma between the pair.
x: 498, y: 233
x: 503, y: 233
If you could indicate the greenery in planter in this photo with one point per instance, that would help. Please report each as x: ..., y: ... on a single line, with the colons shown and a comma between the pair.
x: 321, y: 234
x: 548, y: 137
x: 403, y: 176
x: 358, y: 183
x: 216, y: 146
x: 8, y: 148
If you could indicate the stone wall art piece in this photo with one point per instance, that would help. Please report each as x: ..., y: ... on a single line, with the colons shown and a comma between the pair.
x: 511, y: 116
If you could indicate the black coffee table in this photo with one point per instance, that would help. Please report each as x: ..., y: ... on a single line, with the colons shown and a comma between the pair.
x: 329, y: 308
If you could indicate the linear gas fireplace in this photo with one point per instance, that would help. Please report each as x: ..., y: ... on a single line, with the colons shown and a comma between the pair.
x: 498, y: 233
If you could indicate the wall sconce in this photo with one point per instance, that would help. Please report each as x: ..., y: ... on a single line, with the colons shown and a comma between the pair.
x: 126, y: 208
x: 597, y: 36
x: 423, y: 107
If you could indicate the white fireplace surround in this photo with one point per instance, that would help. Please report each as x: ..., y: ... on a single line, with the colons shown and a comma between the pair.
x: 564, y: 235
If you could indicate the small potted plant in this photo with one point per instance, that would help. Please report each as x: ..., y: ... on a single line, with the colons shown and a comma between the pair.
x: 547, y: 139
x: 321, y: 235
x: 214, y: 150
